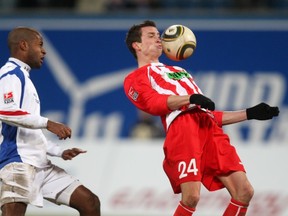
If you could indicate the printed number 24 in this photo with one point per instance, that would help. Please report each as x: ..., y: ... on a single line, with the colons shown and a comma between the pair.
x: 184, y: 169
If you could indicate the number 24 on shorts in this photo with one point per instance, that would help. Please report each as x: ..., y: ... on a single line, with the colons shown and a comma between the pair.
x: 184, y: 169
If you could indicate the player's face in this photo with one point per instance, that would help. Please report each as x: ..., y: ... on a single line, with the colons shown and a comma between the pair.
x: 151, y: 42
x: 36, y: 52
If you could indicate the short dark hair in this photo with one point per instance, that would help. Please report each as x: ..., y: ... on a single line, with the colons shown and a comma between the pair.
x: 134, y: 34
x: 21, y: 33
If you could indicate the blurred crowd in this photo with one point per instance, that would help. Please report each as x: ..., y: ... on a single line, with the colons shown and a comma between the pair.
x: 19, y: 4
x: 145, y: 5
x: 115, y: 4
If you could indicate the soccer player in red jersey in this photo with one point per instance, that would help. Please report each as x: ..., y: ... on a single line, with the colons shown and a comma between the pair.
x: 196, y: 149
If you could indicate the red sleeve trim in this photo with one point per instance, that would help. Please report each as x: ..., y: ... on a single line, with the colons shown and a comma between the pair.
x: 218, y: 117
x: 13, y: 113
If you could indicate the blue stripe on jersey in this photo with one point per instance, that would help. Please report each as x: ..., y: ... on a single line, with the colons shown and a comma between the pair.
x: 8, y: 147
x: 19, y: 73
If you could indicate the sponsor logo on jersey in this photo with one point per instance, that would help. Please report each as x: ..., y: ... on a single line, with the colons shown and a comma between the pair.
x: 179, y: 75
x: 133, y: 94
x: 8, y: 97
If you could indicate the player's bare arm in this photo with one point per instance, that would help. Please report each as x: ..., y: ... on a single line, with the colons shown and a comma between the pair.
x: 61, y: 130
x: 261, y: 111
x: 174, y: 102
x: 231, y: 117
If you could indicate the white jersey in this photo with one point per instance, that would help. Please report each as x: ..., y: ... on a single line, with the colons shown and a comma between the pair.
x: 21, y: 138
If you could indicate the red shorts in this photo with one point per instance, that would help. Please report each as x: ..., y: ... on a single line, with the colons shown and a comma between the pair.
x: 197, y: 149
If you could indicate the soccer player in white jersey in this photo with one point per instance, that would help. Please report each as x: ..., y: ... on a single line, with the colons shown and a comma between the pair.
x: 196, y: 148
x: 27, y: 175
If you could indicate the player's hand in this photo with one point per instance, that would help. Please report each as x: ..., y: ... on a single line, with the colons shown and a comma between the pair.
x: 262, y: 111
x: 203, y: 101
x: 61, y: 130
x: 69, y: 154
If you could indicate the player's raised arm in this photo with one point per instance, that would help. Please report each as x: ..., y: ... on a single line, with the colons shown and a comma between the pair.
x: 261, y: 111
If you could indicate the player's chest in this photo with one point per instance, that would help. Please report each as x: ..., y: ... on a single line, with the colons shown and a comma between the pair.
x: 169, y: 74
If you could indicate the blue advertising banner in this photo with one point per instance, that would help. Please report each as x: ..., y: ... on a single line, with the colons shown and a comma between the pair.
x: 237, y: 63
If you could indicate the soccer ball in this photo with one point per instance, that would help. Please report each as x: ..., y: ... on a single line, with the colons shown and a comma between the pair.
x: 179, y: 42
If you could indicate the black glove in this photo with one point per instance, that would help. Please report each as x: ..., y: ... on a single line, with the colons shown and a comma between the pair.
x: 203, y: 101
x: 262, y: 111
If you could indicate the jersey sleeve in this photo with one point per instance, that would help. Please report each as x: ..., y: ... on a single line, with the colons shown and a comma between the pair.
x: 218, y: 117
x: 10, y: 100
x: 138, y: 90
x: 54, y: 149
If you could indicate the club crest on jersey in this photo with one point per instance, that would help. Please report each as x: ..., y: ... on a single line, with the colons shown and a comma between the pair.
x: 133, y: 94
x: 179, y: 75
x: 8, y: 97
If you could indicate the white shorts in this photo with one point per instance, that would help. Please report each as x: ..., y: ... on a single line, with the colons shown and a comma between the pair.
x: 26, y: 183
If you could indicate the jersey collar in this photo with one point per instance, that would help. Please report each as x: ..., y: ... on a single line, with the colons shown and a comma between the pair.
x: 18, y: 62
x: 157, y: 64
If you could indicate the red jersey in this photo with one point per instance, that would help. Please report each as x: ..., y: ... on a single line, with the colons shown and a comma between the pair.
x: 148, y: 88
x: 196, y: 149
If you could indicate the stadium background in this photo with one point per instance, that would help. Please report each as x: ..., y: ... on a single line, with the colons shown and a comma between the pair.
x: 240, y: 60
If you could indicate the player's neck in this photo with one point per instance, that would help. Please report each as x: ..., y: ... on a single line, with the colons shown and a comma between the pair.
x: 143, y: 62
